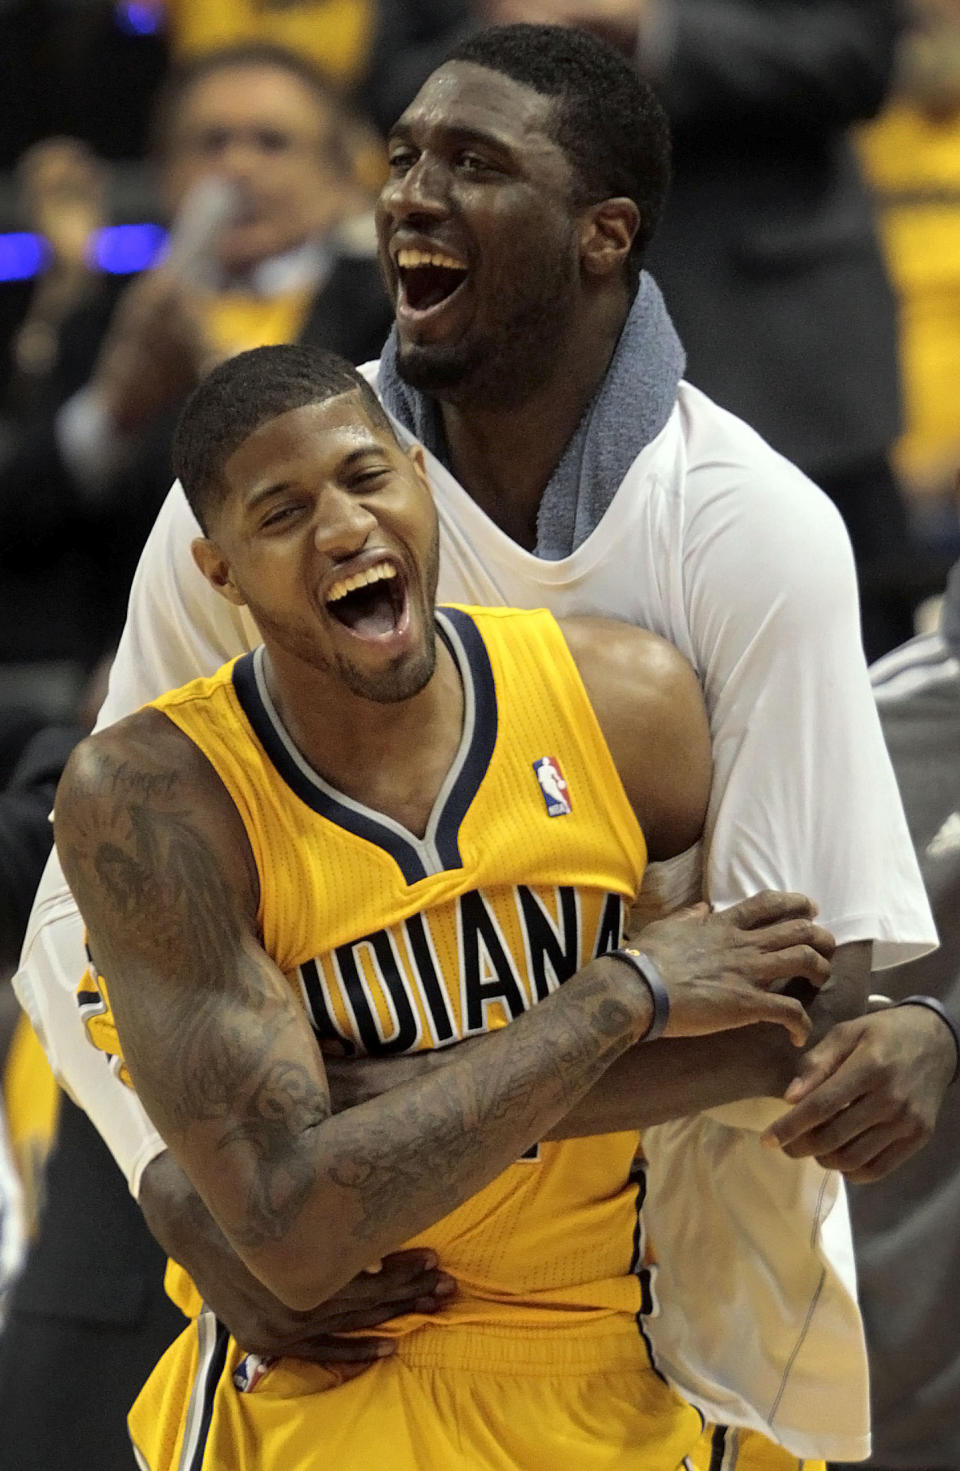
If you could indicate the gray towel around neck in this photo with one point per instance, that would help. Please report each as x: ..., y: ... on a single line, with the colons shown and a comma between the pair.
x: 632, y: 404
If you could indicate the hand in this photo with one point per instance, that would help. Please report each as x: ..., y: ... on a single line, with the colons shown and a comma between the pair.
x: 868, y: 1095
x: 155, y: 351
x: 719, y: 967
x: 406, y: 1282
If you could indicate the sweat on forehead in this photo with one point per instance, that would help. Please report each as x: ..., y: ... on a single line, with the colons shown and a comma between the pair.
x: 245, y: 392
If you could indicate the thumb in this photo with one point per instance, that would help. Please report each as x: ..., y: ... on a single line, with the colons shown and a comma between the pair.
x: 821, y: 1062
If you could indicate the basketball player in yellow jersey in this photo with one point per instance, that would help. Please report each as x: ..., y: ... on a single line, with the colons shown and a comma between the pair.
x: 392, y: 828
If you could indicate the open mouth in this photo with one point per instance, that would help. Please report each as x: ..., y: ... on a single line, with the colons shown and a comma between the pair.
x: 428, y: 278
x: 371, y: 604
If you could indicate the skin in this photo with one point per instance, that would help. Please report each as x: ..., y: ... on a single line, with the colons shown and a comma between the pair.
x: 218, y: 1046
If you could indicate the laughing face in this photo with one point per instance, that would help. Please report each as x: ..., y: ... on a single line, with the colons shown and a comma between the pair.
x: 328, y: 533
x: 479, y: 238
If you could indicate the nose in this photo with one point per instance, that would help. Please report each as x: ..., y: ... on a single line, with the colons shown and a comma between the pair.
x: 418, y: 194
x: 343, y: 525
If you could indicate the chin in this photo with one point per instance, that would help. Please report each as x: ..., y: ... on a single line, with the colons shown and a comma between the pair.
x: 393, y: 685
x: 432, y: 368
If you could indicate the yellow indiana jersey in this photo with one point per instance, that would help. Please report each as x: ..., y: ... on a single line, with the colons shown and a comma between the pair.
x: 397, y: 943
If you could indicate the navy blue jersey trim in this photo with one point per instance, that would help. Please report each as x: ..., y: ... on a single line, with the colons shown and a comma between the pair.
x: 718, y: 1446
x: 215, y: 1369
x: 485, y: 726
x: 638, y: 1177
x: 469, y: 652
x: 404, y: 854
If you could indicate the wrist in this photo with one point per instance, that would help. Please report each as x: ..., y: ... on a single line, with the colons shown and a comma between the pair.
x: 930, y: 1003
x: 647, y: 974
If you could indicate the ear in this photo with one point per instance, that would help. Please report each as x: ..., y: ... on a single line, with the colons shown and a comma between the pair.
x: 606, y: 235
x: 216, y: 569
x: 419, y: 462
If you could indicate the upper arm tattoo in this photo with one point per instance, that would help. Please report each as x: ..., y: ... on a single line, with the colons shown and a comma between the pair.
x: 206, y: 1022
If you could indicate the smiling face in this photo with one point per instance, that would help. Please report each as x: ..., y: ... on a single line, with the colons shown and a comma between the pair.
x: 328, y: 533
x: 479, y: 237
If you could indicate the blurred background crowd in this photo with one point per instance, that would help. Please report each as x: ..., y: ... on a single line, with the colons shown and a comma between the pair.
x: 183, y: 179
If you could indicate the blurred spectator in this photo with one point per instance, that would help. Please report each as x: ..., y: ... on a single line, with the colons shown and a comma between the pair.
x: 269, y: 242
x: 912, y: 156
x: 62, y: 186
x: 768, y: 255
x: 907, y: 1229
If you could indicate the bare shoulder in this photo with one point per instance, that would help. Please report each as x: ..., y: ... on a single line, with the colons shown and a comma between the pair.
x: 625, y: 668
x: 650, y: 708
x: 141, y: 778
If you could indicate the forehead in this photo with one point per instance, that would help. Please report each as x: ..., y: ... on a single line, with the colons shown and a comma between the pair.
x: 314, y: 441
x: 465, y: 99
x: 254, y: 93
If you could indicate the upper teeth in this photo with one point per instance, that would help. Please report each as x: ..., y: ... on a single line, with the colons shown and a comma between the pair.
x: 408, y: 258
x: 382, y: 572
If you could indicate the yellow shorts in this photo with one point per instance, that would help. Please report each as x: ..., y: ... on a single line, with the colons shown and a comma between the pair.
x: 468, y: 1399
x: 745, y: 1450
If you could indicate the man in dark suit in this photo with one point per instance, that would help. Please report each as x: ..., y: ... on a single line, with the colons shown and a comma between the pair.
x: 767, y: 254
x: 255, y: 169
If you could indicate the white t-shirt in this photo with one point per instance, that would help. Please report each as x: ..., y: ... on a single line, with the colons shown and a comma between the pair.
x: 717, y: 543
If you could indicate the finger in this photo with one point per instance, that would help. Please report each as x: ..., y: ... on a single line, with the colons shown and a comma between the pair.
x: 882, y: 1164
x: 783, y: 1011
x: 842, y: 1130
x: 792, y: 932
x: 328, y: 1349
x: 836, y: 1094
x: 798, y: 962
x: 744, y: 1006
x: 822, y: 1061
x: 768, y: 907
x: 425, y: 1296
x: 860, y: 1151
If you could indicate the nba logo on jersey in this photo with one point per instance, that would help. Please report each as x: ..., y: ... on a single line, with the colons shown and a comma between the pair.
x: 553, y: 786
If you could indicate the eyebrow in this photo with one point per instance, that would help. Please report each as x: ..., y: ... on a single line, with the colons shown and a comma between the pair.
x: 454, y: 133
x: 277, y: 487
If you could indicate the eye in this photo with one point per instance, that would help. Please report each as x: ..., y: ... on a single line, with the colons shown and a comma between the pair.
x: 368, y: 479
x: 280, y: 516
x: 401, y: 160
x: 475, y: 163
x: 272, y: 140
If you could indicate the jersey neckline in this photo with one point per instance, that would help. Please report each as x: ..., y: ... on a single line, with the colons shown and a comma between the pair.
x: 439, y: 849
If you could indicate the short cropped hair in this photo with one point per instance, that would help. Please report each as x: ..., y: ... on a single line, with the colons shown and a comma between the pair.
x: 182, y: 79
x: 608, y: 121
x: 246, y: 391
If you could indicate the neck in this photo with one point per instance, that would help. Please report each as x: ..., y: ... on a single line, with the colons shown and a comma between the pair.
x: 391, y: 757
x: 504, y: 457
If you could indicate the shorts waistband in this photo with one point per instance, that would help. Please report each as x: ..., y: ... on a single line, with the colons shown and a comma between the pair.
x: 527, y: 1350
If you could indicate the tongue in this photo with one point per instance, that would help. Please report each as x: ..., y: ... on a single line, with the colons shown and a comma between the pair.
x: 367, y: 613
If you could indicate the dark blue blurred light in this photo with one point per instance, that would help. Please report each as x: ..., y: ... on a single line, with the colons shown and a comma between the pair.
x: 137, y: 20
x: 119, y: 250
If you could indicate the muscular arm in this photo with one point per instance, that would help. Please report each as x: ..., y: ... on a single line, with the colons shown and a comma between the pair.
x: 224, y: 1060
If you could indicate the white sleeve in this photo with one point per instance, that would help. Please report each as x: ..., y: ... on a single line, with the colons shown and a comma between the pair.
x: 804, y: 796
x: 177, y: 628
